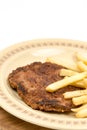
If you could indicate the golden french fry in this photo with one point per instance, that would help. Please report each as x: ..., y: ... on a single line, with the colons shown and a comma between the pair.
x: 79, y: 100
x: 85, y: 82
x: 69, y: 62
x: 67, y: 72
x: 76, y: 93
x: 82, y: 113
x: 82, y: 57
x: 79, y: 84
x: 50, y: 59
x: 66, y: 81
x: 82, y: 66
x: 79, y: 108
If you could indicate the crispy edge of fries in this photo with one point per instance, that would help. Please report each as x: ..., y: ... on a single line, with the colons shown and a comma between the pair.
x: 66, y: 81
x: 82, y: 66
x: 76, y: 93
x: 80, y: 84
x: 79, y: 100
x: 79, y: 108
x: 49, y: 59
x: 85, y: 82
x: 67, y: 72
x: 82, y: 113
x: 80, y: 57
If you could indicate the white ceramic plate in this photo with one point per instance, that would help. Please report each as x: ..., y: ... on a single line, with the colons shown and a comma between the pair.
x: 25, y: 53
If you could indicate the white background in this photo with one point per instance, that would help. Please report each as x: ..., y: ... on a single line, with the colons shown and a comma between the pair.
x: 22, y: 20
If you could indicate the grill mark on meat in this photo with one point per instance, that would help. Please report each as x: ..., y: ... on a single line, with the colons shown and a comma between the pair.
x: 48, y: 102
x: 30, y: 82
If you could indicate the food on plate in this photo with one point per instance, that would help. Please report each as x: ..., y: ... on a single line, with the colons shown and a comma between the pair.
x: 55, y: 85
x: 65, y: 59
x: 80, y: 100
x: 82, y: 113
x: 72, y: 94
x: 84, y: 106
x: 81, y: 65
x: 31, y: 81
x: 81, y: 57
x: 67, y: 72
x: 65, y: 82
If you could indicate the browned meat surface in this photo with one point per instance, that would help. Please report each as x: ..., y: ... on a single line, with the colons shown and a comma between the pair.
x: 30, y: 82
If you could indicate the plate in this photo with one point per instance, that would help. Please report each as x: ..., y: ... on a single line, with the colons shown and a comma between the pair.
x: 25, y: 53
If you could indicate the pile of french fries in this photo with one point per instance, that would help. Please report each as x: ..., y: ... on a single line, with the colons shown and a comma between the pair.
x: 74, y: 78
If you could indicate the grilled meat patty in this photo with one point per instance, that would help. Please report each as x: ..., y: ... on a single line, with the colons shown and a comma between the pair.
x: 30, y: 82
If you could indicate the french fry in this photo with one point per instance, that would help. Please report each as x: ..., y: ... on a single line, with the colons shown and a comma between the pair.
x: 69, y: 62
x: 82, y: 66
x: 66, y: 81
x: 85, y: 82
x: 50, y: 59
x: 82, y: 113
x: 81, y: 57
x: 79, y: 100
x: 84, y: 106
x: 67, y: 72
x: 80, y: 84
x: 76, y: 93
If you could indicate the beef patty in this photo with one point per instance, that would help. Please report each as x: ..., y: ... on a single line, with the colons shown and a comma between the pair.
x: 30, y: 82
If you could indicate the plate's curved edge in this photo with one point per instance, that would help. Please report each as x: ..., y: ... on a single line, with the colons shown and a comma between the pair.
x: 22, y: 113
x: 35, y: 119
x: 16, y: 45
